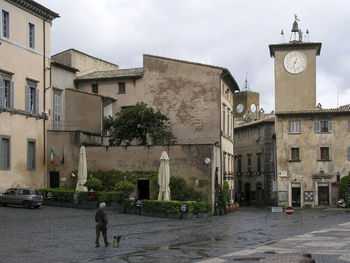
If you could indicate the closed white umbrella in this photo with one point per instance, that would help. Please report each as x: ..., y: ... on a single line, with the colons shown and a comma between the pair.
x: 164, y: 178
x: 82, y: 171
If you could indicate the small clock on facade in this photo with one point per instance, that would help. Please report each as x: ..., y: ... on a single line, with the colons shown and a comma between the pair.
x: 240, y: 108
x: 295, y: 62
x: 253, y: 108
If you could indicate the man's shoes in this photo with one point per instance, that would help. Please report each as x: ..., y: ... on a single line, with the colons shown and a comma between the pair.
x: 97, y: 245
x: 106, y: 245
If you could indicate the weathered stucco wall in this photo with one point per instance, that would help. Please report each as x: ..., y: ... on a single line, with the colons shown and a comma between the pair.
x: 309, y: 143
x: 83, y: 111
x: 186, y: 161
x: 83, y: 62
x: 195, y: 114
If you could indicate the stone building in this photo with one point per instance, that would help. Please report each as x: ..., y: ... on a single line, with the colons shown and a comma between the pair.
x: 254, y: 162
x: 196, y: 97
x: 311, y: 142
x: 24, y: 78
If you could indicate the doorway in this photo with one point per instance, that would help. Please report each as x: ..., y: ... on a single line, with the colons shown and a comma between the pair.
x: 247, y: 193
x: 296, y: 194
x: 54, y: 179
x: 259, y: 194
x: 143, y: 189
x: 323, y: 195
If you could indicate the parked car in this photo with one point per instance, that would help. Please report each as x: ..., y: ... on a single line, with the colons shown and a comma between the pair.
x: 22, y: 196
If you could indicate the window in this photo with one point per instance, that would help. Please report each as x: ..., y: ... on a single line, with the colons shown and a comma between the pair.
x: 249, y: 163
x: 348, y: 153
x: 294, y: 127
x: 223, y: 118
x: 5, y: 153
x: 239, y: 163
x: 121, y: 87
x: 295, y: 154
x: 5, y: 24
x: 32, y: 98
x: 324, y: 154
x: 323, y: 126
x: 57, y: 105
x: 31, y: 35
x: 6, y: 93
x: 94, y: 88
x: 228, y: 123
x: 31, y: 155
x: 258, y: 162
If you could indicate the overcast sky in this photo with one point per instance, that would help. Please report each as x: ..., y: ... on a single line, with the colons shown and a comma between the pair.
x: 230, y: 33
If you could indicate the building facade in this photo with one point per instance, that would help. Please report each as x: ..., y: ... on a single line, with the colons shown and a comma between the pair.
x: 24, y: 78
x: 313, y: 152
x: 196, y: 97
x: 311, y: 142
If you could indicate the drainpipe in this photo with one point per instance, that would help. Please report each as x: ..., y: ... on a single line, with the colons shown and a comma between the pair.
x: 44, y: 99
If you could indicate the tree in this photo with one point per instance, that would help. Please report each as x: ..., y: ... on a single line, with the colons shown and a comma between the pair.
x: 141, y: 123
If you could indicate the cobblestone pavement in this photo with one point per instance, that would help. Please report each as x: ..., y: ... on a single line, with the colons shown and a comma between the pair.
x: 52, y: 234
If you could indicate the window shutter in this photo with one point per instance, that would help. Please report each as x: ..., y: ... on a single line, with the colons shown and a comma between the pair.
x: 27, y: 90
x: 348, y: 153
x: 317, y: 126
x: 297, y: 124
x: 37, y: 101
x: 2, y: 93
x: 12, y: 95
x: 29, y: 156
x: 330, y: 126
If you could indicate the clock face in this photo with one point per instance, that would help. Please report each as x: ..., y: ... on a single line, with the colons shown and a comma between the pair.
x: 295, y: 62
x: 240, y: 108
x: 253, y: 108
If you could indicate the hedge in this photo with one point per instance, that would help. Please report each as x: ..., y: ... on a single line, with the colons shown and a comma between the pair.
x: 66, y: 195
x: 174, y: 206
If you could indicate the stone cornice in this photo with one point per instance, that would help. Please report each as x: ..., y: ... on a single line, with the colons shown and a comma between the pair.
x: 35, y: 9
x: 295, y: 46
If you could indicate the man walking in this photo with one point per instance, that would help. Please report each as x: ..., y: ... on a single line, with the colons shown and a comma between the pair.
x: 101, y: 225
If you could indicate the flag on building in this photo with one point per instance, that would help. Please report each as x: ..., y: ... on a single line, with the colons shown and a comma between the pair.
x: 52, y: 155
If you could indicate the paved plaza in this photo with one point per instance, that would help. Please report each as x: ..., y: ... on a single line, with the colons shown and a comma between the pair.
x: 53, y: 234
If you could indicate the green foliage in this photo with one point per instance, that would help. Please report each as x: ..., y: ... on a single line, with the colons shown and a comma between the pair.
x: 73, y: 180
x: 93, y: 183
x: 139, y: 122
x: 174, y: 206
x: 82, y: 197
x: 344, y: 189
x: 154, y: 187
x: 59, y: 194
x: 111, y: 197
x: 225, y: 193
x: 201, y: 207
x: 181, y: 192
x: 125, y: 186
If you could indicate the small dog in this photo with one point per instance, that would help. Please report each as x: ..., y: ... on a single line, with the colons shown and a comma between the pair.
x: 116, y: 240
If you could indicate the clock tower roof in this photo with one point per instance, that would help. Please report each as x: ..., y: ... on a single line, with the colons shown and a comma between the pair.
x: 295, y: 45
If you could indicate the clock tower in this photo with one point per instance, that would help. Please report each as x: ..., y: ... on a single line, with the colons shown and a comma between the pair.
x: 245, y: 102
x: 295, y: 72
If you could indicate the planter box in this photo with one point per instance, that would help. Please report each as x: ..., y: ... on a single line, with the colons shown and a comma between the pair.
x: 51, y: 203
x: 91, y: 205
x: 67, y: 204
x: 147, y: 213
x: 129, y: 210
x: 186, y: 216
x: 159, y: 214
x: 203, y: 214
x: 173, y: 215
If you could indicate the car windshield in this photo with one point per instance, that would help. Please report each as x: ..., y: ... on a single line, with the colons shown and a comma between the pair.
x: 37, y: 192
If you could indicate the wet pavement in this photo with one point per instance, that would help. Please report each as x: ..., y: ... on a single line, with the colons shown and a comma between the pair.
x: 54, y: 234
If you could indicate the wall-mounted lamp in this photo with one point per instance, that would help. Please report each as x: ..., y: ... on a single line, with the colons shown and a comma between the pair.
x: 227, y: 91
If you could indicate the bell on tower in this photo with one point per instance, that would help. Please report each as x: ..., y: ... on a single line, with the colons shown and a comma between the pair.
x: 297, y: 34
